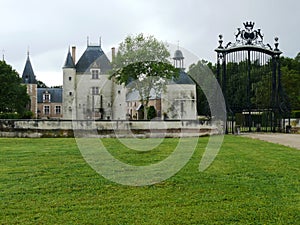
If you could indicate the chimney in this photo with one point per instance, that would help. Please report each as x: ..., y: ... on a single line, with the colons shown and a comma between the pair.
x: 74, y: 54
x: 113, y: 54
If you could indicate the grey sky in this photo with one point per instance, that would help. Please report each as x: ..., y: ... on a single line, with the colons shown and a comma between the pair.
x: 49, y: 27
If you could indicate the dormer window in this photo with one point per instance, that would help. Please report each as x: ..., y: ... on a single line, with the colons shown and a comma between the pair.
x: 46, y: 97
x: 95, y: 73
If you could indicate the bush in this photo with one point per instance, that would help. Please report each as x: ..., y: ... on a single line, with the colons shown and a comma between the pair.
x: 295, y: 114
x: 27, y: 115
x: 151, y: 113
x: 9, y: 116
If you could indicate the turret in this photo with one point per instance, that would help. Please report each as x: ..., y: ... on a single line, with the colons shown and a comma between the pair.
x: 28, y: 78
x: 178, y: 59
x: 69, y: 85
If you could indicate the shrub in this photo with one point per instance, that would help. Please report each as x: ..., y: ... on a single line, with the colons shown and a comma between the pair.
x: 9, y: 115
x: 151, y: 113
x: 27, y: 115
x: 295, y: 114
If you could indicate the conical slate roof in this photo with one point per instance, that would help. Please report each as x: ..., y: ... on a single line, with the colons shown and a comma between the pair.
x: 69, y: 61
x: 28, y: 76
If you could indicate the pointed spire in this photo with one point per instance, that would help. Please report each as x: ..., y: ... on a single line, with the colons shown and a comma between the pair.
x: 3, y: 59
x: 100, y: 41
x: 69, y: 63
x: 28, y: 76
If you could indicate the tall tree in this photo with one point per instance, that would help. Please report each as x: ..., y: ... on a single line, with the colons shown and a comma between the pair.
x: 202, y: 71
x: 290, y: 69
x: 13, y: 95
x: 142, y: 64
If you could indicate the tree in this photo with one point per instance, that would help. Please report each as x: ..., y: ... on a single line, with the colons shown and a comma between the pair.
x: 151, y: 113
x: 201, y: 72
x: 142, y: 64
x: 290, y: 70
x: 57, y: 86
x: 41, y: 84
x: 13, y: 95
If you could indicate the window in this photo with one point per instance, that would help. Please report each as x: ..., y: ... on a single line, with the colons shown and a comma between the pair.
x: 95, y: 74
x: 46, y: 109
x: 46, y: 97
x: 70, y: 78
x: 119, y: 92
x: 101, y: 101
x: 95, y: 90
x: 70, y: 93
x: 57, y: 109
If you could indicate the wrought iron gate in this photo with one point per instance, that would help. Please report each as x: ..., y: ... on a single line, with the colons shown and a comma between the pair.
x: 248, y: 71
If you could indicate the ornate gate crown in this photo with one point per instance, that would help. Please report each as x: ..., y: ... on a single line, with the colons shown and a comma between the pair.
x: 249, y: 37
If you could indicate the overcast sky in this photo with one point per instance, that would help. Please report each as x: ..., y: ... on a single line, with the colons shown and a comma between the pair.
x: 48, y: 28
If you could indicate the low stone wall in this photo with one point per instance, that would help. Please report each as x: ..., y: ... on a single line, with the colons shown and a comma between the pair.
x: 69, y: 128
x: 295, y: 125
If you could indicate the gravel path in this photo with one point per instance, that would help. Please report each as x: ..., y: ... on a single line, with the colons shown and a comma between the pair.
x: 291, y: 140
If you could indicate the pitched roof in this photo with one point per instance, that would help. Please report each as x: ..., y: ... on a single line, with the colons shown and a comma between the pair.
x: 28, y: 76
x: 183, y: 78
x: 69, y: 63
x: 56, y: 94
x: 93, y: 57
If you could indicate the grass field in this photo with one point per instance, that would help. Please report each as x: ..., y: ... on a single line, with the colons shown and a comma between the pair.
x: 46, y: 181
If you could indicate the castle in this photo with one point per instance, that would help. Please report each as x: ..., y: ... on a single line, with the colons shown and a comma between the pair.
x: 88, y: 93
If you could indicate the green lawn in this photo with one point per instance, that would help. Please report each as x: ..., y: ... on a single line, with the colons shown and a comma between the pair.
x: 46, y: 181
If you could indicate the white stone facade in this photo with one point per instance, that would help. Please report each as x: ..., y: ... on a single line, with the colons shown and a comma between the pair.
x: 179, y: 102
x: 88, y: 93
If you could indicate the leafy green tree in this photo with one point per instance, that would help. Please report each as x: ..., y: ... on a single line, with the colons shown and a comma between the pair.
x: 290, y: 70
x: 142, y: 64
x: 13, y: 95
x: 151, y: 114
x: 261, y: 83
x: 41, y: 84
x: 196, y: 70
x: 57, y: 86
x: 203, y: 73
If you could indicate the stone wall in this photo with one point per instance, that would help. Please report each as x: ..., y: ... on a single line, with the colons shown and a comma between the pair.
x: 125, y: 128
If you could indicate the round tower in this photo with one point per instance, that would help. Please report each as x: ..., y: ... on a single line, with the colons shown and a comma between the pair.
x: 69, y: 84
x: 29, y: 79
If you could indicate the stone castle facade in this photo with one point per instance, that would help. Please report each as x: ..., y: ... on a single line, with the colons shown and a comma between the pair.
x: 87, y: 92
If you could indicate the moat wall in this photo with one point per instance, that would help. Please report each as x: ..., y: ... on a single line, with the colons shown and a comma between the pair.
x: 124, y: 128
